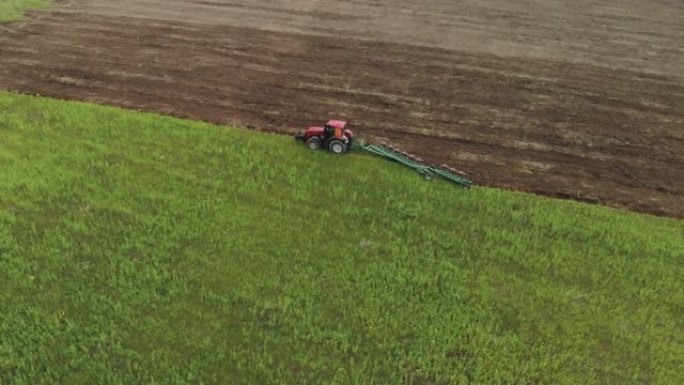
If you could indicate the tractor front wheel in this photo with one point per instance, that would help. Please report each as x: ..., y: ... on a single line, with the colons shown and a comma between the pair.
x: 337, y: 147
x: 313, y: 143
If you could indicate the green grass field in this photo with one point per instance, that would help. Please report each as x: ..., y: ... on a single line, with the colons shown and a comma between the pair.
x: 136, y: 248
x: 14, y: 9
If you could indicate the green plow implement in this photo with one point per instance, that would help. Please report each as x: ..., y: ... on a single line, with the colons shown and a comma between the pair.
x: 414, y: 163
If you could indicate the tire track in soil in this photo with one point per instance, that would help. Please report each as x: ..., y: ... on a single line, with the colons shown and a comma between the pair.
x: 569, y: 130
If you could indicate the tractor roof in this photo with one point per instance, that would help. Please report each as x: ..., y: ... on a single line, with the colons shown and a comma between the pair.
x: 337, y: 123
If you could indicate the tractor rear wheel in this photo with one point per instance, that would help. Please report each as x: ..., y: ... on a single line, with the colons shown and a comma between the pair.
x: 314, y: 143
x: 337, y: 147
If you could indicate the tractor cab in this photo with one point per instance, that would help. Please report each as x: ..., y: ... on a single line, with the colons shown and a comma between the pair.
x: 335, y: 129
x: 334, y: 136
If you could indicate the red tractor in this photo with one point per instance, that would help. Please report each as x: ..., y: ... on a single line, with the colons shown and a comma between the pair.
x: 334, y: 136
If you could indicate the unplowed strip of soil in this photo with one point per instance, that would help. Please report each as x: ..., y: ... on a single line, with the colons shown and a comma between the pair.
x: 643, y: 35
x: 571, y: 130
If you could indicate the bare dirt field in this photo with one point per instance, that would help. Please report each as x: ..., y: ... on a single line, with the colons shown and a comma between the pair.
x: 575, y: 99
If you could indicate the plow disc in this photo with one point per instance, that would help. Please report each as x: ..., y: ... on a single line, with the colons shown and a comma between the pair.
x: 412, y: 162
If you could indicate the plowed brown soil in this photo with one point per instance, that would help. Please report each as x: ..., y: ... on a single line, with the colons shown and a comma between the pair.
x: 571, y: 129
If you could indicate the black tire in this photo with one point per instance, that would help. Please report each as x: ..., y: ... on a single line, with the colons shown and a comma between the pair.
x: 337, y: 147
x: 314, y: 143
